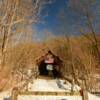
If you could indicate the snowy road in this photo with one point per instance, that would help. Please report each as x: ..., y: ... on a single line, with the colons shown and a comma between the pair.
x: 53, y: 85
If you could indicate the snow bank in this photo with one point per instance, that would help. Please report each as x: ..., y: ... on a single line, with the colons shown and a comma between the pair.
x: 93, y: 97
x: 5, y: 94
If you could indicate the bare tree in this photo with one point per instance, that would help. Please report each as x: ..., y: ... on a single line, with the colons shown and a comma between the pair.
x: 16, y: 14
x: 84, y: 8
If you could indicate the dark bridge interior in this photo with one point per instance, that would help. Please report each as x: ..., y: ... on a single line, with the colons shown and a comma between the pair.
x: 43, y: 71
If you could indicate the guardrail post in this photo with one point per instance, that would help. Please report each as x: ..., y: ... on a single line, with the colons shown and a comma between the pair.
x: 85, y: 95
x: 14, y: 94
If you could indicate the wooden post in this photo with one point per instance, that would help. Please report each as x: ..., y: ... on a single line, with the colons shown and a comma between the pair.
x: 14, y: 94
x: 72, y: 87
x: 85, y: 95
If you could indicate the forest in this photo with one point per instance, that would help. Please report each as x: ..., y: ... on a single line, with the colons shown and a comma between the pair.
x: 18, y: 50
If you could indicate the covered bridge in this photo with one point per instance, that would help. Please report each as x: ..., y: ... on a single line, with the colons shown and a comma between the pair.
x: 57, y: 65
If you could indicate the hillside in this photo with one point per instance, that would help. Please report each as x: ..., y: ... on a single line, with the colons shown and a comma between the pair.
x: 75, y: 52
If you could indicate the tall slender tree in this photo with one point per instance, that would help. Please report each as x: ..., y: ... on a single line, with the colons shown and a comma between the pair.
x: 15, y: 15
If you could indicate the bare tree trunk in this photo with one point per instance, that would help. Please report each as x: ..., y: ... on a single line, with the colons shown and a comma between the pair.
x: 72, y: 64
x: 93, y: 33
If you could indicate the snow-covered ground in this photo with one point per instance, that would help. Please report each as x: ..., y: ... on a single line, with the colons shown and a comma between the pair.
x: 5, y: 94
x: 25, y: 97
x: 93, y: 97
x: 52, y: 85
x: 49, y: 97
x: 45, y: 85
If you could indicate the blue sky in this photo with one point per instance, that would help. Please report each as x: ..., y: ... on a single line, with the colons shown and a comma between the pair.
x: 68, y: 23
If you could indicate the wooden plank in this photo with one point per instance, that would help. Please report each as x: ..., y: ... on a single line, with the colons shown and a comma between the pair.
x: 15, y: 94
x: 49, y: 93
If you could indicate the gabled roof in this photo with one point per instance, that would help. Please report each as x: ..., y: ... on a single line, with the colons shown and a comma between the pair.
x: 58, y: 61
